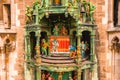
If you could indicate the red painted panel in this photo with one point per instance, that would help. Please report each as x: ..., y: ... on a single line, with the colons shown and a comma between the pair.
x: 59, y: 44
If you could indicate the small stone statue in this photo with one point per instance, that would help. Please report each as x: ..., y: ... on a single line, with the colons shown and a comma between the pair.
x: 92, y: 8
x: 29, y: 15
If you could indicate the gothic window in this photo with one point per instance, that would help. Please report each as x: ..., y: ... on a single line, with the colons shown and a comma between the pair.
x: 7, y: 15
x: 33, y: 44
x: 85, y: 40
x: 1, y: 14
x: 116, y: 11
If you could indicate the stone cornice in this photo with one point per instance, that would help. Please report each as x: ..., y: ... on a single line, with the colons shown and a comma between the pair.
x: 113, y: 30
x: 4, y: 31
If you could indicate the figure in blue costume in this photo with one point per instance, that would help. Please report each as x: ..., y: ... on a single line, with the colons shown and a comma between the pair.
x: 83, y: 49
x: 72, y: 48
x: 73, y: 53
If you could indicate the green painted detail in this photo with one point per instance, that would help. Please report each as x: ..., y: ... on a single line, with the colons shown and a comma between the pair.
x: 86, y: 66
x: 54, y: 75
x: 38, y: 74
x: 65, y: 76
x: 58, y: 68
x: 32, y: 28
x: 35, y: 15
x: 56, y: 10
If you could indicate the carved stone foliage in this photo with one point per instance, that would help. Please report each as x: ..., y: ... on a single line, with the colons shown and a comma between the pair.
x: 7, y: 43
x: 115, y: 45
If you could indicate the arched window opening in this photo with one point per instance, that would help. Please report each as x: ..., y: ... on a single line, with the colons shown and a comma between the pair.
x: 33, y: 44
x: 44, y: 43
x: 86, y: 41
x: 116, y: 11
x: 7, y: 15
x: 74, y: 39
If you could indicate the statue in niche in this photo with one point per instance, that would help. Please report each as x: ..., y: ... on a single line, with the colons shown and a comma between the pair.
x: 29, y: 14
x: 115, y: 45
x: 87, y: 10
x: 8, y: 47
x: 73, y: 53
x: 44, y: 46
x: 83, y: 49
x: 63, y: 31
x: 87, y: 50
x: 56, y: 30
x: 84, y: 7
x: 92, y: 7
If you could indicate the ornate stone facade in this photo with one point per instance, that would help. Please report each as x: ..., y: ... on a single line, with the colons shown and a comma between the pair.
x: 12, y: 47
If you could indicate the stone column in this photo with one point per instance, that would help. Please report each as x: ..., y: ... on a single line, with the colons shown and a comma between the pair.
x: 78, y: 40
x: 38, y: 73
x: 2, y: 61
x: 36, y: 14
x: 92, y: 52
x: 38, y: 57
x: 48, y: 40
x: 27, y: 57
x: 27, y: 47
x: 79, y: 73
x: 47, y: 3
x: 79, y: 34
x: 66, y: 4
x: 78, y: 45
x: 37, y: 48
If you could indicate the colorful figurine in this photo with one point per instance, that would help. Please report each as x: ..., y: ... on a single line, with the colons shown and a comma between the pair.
x: 73, y: 53
x: 44, y: 45
x: 92, y: 8
x: 56, y: 30
x: 29, y: 12
x: 55, y: 46
x: 63, y: 31
x: 83, y: 49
